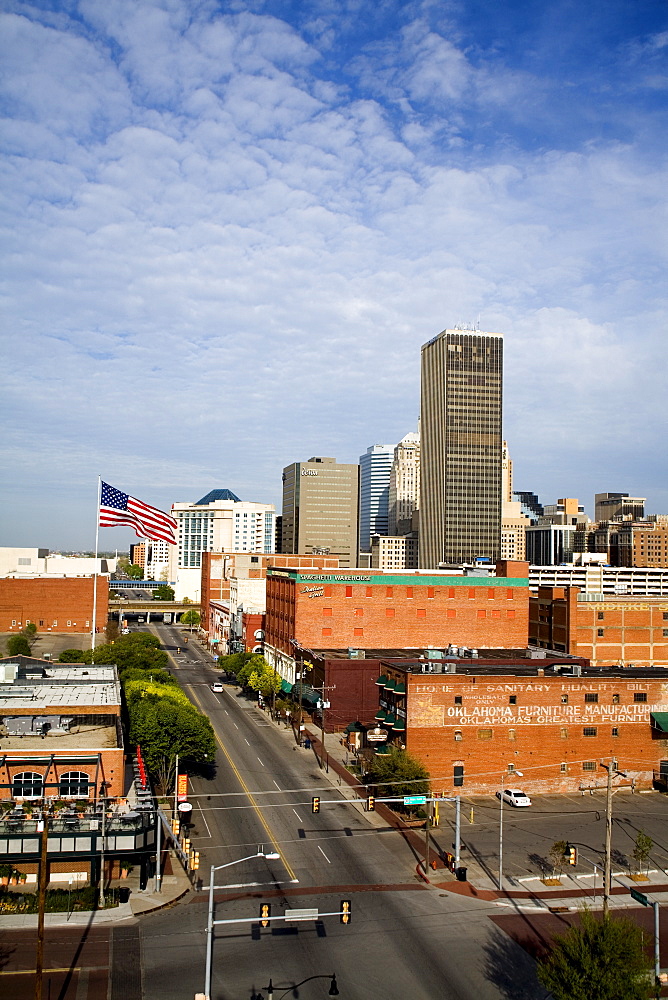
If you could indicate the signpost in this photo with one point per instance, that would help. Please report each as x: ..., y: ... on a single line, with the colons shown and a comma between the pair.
x: 641, y: 898
x: 415, y: 800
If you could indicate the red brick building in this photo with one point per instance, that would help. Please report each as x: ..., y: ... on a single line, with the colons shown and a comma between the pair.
x: 376, y: 610
x: 614, y: 630
x: 53, y: 604
x: 552, y: 722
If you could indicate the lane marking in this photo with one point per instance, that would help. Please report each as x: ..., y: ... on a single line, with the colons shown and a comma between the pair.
x: 297, y: 815
x: 260, y: 761
x: 246, y: 741
x: 201, y: 812
x: 277, y: 784
x: 324, y: 855
x: 251, y: 798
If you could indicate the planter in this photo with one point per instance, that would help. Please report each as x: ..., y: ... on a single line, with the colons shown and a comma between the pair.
x: 551, y: 881
x: 638, y: 877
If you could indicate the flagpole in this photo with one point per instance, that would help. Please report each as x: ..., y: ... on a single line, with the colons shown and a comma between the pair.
x: 97, y: 538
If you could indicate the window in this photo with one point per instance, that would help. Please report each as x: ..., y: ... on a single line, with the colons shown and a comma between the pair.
x: 482, y: 613
x: 458, y: 699
x: 328, y: 590
x: 327, y: 612
x: 358, y: 631
x: 430, y: 592
x: 458, y: 775
x: 69, y: 622
x: 600, y: 615
x: 600, y: 632
x: 484, y: 734
x: 389, y: 592
x: 564, y: 699
x: 254, y: 559
x: 588, y: 765
x: 590, y: 696
x: 496, y: 614
x: 471, y: 593
x: 27, y: 785
x: 458, y: 734
x: 512, y: 700
x: 74, y: 785
x: 369, y: 591
x: 563, y: 733
x: 451, y: 613
x: 359, y: 612
x: 41, y: 621
x: 421, y: 612
x: 55, y: 621
x: 389, y: 612
x: 510, y: 595
x: 326, y: 631
x: 349, y: 591
x: 615, y: 730
x: 510, y: 614
x: 512, y: 735
x: 409, y: 591
x: 615, y: 699
x: 563, y: 767
x: 665, y: 633
x: 640, y: 696
x: 590, y: 731
x: 491, y: 594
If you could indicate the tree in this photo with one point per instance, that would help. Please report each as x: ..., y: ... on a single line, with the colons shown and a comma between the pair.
x: 191, y: 617
x: 111, y: 630
x: 135, y: 572
x: 641, y: 850
x: 18, y: 645
x: 72, y: 656
x: 397, y: 773
x: 598, y: 960
x: 557, y: 856
x: 163, y: 593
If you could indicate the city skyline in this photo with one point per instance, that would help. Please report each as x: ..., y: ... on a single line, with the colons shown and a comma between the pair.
x: 228, y: 231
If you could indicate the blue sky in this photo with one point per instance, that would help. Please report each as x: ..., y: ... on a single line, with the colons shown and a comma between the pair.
x: 227, y: 229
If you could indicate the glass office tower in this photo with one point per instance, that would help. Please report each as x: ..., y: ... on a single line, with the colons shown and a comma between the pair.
x: 462, y: 389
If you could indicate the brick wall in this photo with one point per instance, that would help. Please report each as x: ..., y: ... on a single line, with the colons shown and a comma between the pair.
x: 550, y: 728
x: 61, y: 604
x: 379, y: 610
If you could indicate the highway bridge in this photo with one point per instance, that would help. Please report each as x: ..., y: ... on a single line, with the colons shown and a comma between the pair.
x: 130, y: 607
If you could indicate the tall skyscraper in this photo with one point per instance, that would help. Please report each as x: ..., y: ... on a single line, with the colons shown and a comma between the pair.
x: 404, y: 485
x: 375, y: 466
x: 320, y: 509
x: 460, y: 497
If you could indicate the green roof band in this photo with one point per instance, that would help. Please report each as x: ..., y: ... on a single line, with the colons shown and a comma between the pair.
x: 390, y: 684
x: 400, y: 688
x: 381, y: 680
x: 390, y: 719
x: 381, y: 714
x: 399, y: 726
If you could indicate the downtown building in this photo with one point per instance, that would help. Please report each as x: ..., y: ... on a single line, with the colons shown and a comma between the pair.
x: 321, y: 509
x: 375, y: 470
x: 461, y: 441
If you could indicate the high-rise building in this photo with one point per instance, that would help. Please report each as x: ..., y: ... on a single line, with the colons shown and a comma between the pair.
x: 610, y: 506
x: 460, y: 497
x: 404, y: 497
x: 375, y: 466
x: 320, y: 509
x: 514, y: 521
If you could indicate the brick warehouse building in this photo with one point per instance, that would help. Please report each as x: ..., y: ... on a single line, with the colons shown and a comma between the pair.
x: 58, y: 604
x: 375, y: 610
x: 627, y: 631
x: 470, y: 724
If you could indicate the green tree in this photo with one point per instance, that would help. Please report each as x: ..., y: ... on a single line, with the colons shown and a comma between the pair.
x: 135, y: 572
x: 164, y: 728
x: 72, y: 656
x: 18, y: 645
x: 557, y: 856
x: 598, y: 959
x: 163, y: 593
x: 111, y: 630
x: 398, y: 773
x: 641, y: 850
x: 191, y: 618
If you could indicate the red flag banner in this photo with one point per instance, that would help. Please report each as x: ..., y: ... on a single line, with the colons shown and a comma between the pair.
x: 118, y: 508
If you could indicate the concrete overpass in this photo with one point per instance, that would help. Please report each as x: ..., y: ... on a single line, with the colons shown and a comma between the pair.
x: 136, y: 606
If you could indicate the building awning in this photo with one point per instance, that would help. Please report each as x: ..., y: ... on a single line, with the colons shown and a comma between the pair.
x: 660, y: 721
x: 354, y: 727
x: 380, y: 714
x: 400, y: 688
x: 390, y: 684
x: 308, y: 694
x: 399, y: 725
x: 286, y: 687
x: 390, y: 719
x: 381, y: 749
x: 380, y: 681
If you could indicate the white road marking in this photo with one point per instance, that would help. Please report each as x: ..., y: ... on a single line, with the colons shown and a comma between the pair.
x: 297, y: 815
x: 260, y: 762
x: 277, y: 784
x: 246, y: 741
x: 324, y: 855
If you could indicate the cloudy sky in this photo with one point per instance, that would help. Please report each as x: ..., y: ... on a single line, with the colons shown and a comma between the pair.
x: 229, y: 227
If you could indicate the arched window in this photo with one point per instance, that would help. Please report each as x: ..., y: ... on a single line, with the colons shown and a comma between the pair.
x: 74, y: 785
x: 28, y: 785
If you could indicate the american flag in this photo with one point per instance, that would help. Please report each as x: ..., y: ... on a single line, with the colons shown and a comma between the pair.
x: 148, y: 522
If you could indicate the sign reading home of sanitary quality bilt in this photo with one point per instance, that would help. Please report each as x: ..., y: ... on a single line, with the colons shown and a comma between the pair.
x: 414, y: 800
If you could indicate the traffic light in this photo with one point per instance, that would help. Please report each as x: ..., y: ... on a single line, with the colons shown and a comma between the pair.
x: 265, y: 914
x: 195, y: 861
x: 346, y: 914
x: 315, y: 804
x: 571, y: 854
x: 370, y: 803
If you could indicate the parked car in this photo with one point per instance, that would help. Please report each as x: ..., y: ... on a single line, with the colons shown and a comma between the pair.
x: 515, y: 797
x: 217, y: 687
x: 125, y: 631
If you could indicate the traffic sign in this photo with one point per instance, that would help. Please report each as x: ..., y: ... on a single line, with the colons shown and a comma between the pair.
x: 639, y: 897
x: 414, y: 800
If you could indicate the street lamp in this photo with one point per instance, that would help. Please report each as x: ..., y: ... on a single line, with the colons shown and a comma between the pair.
x: 333, y: 989
x: 209, y: 924
x: 508, y: 774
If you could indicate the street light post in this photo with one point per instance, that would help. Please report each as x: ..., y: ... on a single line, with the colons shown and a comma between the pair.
x: 520, y: 774
x: 209, y: 924
x: 333, y: 988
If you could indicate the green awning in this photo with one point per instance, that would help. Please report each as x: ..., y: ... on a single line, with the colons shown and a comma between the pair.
x: 382, y: 749
x: 380, y: 714
x: 308, y: 694
x: 400, y: 688
x: 390, y: 719
x: 381, y: 680
x: 354, y: 727
x: 660, y: 721
x: 399, y: 725
x: 390, y: 684
x: 286, y: 687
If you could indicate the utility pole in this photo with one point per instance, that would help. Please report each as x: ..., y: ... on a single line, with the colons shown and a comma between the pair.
x: 612, y: 770
x: 39, y: 958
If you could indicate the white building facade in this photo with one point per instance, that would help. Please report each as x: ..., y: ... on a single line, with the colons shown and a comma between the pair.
x: 375, y: 467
